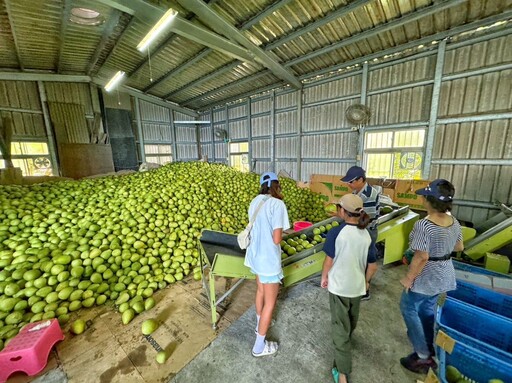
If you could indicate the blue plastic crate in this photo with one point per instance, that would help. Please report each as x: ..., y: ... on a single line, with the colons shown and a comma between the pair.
x: 484, y: 298
x: 478, y: 270
x: 487, y: 327
x: 476, y: 364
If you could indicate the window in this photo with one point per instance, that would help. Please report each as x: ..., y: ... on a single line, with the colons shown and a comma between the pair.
x: 158, y: 154
x: 33, y: 158
x: 239, y: 155
x: 396, y: 154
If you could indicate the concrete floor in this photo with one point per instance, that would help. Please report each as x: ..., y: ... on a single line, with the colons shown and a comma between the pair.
x: 303, y: 330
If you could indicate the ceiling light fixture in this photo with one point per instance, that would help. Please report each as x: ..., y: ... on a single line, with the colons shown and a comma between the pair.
x: 114, y: 81
x: 159, y: 27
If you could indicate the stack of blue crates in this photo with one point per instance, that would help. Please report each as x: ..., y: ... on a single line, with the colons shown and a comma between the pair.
x: 479, y: 320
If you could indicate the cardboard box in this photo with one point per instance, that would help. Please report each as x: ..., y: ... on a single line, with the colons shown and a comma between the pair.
x: 405, y: 193
x: 339, y: 189
x: 387, y: 185
x: 323, y: 184
x: 332, y: 188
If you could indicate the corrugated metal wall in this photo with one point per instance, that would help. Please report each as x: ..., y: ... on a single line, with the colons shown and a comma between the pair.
x: 465, y: 106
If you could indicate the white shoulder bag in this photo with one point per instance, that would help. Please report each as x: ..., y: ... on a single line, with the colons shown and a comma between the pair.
x: 244, y: 238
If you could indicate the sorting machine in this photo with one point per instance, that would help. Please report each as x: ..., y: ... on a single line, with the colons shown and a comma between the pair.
x: 222, y: 257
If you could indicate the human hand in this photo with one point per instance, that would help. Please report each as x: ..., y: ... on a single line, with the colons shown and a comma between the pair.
x: 323, y: 282
x: 406, y: 282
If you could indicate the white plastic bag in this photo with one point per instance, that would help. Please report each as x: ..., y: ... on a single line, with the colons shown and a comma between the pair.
x: 244, y: 238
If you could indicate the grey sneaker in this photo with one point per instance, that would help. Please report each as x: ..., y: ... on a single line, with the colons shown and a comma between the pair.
x: 366, y: 297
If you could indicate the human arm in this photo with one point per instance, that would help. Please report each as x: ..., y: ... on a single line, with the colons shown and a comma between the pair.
x: 417, y: 264
x: 371, y: 269
x: 328, y: 261
x: 279, y: 221
x: 330, y: 252
x: 277, y: 236
x: 459, y: 246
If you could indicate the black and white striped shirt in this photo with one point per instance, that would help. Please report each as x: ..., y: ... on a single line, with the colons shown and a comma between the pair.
x: 438, y: 241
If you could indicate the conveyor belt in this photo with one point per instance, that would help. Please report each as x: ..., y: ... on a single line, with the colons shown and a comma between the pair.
x: 490, y: 240
x: 222, y: 257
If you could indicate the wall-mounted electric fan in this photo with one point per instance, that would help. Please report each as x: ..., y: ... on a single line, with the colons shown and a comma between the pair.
x: 358, y: 114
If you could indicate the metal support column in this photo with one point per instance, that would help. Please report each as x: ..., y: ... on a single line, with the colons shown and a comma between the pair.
x: 173, y: 132
x: 249, y: 134
x: 434, y: 108
x: 212, y: 135
x: 361, y: 130
x: 198, y: 140
x: 300, y: 96
x: 138, y: 118
x: 273, y: 131
x: 52, y: 147
x: 226, y: 143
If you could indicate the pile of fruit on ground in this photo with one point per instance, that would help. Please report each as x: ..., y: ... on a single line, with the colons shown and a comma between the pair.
x: 73, y: 244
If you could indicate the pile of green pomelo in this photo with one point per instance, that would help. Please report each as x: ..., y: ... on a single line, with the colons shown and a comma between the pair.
x: 117, y: 239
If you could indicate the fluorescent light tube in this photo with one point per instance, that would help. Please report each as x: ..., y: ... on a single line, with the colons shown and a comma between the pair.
x: 157, y: 29
x: 114, y: 81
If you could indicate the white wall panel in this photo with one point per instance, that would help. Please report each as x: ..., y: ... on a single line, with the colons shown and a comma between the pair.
x: 286, y: 122
x: 238, y: 129
x: 261, y: 126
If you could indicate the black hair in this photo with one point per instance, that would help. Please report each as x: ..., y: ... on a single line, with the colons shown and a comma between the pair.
x: 274, y: 190
x: 446, y: 189
x: 364, y: 218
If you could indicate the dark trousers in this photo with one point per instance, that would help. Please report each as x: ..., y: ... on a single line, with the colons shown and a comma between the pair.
x: 344, y: 316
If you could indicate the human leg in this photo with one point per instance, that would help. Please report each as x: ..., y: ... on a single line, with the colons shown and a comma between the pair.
x: 427, y: 316
x: 341, y: 327
x: 354, y: 313
x: 269, y: 293
x: 259, y: 297
x: 419, y: 360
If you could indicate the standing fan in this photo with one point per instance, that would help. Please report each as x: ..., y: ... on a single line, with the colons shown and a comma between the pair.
x: 358, y: 114
x: 222, y: 134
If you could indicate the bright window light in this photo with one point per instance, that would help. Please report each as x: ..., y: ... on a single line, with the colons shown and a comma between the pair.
x: 114, y: 81
x: 159, y: 27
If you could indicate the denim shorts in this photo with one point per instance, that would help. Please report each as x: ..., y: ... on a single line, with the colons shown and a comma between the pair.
x: 269, y: 279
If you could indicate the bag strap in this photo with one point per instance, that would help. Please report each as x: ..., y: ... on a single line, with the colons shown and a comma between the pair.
x: 253, y: 218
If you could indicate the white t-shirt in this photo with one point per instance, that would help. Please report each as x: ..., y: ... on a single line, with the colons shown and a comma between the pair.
x: 351, y: 249
x: 263, y: 256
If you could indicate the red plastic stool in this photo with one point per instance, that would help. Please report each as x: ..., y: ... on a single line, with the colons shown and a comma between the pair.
x: 28, y: 351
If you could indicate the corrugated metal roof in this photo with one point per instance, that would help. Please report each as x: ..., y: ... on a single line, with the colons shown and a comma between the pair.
x: 198, y: 65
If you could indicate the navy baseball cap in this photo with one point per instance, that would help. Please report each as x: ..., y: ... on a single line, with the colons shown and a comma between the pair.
x: 433, y: 190
x: 354, y: 173
x: 267, y: 178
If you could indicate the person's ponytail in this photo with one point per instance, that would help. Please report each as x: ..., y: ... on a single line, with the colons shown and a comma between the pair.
x: 364, y: 220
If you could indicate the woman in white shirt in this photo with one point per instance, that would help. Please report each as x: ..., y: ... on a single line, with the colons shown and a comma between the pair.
x: 263, y: 256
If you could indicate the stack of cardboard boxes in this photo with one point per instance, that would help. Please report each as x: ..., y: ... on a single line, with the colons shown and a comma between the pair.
x: 400, y: 191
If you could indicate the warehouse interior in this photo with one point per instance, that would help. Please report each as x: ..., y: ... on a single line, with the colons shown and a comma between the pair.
x: 411, y: 90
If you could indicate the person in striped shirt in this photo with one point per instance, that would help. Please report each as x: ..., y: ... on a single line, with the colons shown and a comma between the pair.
x: 356, y: 181
x: 430, y: 273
